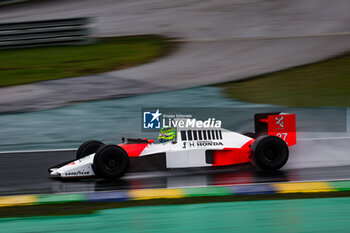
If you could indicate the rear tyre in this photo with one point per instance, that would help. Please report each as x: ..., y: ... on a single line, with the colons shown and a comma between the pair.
x: 110, y: 162
x: 88, y: 148
x: 269, y: 153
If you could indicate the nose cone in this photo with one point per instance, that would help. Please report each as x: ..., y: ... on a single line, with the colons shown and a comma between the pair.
x: 54, y: 172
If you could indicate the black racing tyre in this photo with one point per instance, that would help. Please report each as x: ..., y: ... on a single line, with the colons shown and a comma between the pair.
x: 88, y: 148
x: 110, y: 162
x: 269, y: 153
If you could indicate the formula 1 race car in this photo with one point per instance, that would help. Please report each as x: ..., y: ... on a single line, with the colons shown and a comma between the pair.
x: 266, y: 148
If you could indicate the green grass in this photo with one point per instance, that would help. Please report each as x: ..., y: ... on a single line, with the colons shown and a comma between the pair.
x: 324, y: 83
x: 22, y: 66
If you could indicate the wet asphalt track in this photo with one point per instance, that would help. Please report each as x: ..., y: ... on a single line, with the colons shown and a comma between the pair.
x: 25, y: 173
x: 221, y: 41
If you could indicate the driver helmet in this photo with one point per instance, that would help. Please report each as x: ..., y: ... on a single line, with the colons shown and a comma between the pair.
x: 167, y: 134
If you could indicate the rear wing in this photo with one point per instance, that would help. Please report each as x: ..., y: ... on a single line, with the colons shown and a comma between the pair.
x: 276, y: 124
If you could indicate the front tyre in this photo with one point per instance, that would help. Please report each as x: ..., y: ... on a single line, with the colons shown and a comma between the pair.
x: 88, y: 148
x: 110, y: 162
x: 269, y: 153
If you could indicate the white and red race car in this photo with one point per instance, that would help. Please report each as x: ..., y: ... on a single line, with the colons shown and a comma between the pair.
x: 267, y: 149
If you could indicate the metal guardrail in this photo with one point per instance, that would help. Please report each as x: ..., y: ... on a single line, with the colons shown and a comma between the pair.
x: 44, y: 33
